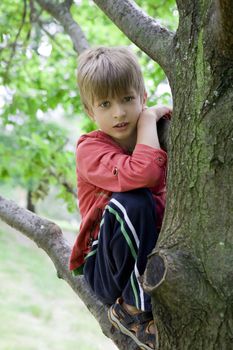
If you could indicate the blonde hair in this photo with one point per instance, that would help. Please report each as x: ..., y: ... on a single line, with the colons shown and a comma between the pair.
x: 108, y: 71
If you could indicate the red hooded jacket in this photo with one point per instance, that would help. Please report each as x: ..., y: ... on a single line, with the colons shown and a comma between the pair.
x: 103, y: 167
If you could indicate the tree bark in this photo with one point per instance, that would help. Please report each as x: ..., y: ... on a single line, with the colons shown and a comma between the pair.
x: 30, y: 204
x: 189, y: 273
x: 224, y: 28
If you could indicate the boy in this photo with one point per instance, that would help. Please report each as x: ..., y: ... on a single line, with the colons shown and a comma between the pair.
x: 121, y: 173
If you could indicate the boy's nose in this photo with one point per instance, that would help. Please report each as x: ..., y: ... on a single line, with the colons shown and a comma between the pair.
x: 118, y: 111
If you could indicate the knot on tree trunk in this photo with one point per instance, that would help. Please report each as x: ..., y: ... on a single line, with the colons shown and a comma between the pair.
x: 176, y: 276
x: 182, y: 301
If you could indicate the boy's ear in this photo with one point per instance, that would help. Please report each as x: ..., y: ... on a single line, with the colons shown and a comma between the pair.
x: 144, y: 99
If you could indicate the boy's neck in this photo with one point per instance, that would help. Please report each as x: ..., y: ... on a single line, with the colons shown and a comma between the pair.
x: 129, y: 144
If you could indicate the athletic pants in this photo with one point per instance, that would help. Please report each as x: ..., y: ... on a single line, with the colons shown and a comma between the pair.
x: 118, y: 257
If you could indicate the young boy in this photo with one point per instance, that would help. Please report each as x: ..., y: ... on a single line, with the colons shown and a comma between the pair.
x: 121, y: 173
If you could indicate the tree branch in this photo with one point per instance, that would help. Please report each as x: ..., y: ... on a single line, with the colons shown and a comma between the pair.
x: 61, y: 12
x: 49, y: 237
x: 142, y: 29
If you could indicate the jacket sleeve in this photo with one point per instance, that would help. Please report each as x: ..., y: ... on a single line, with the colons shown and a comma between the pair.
x: 107, y: 167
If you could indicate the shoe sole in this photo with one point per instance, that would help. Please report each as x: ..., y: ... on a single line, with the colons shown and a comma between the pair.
x: 116, y: 323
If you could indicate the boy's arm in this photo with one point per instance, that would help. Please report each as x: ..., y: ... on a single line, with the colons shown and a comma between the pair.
x: 108, y: 167
x: 147, y: 125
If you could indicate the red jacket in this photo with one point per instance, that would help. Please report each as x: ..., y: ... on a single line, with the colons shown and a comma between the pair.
x: 104, y: 167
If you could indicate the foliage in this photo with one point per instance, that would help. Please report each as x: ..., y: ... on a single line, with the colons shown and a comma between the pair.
x: 37, y: 81
x: 164, y: 11
x: 36, y: 158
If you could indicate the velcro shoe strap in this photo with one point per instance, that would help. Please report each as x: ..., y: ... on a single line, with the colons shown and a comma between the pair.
x: 143, y: 317
x: 123, y: 315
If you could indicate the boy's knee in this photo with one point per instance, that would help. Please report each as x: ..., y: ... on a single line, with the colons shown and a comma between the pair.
x: 137, y: 200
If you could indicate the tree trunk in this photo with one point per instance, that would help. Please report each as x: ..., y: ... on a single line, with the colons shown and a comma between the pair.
x: 189, y: 273
x: 30, y: 204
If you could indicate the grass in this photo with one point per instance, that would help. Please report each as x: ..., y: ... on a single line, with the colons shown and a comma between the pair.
x: 37, y: 310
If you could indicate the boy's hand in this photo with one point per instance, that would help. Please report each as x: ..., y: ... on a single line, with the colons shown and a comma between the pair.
x: 147, y: 125
x: 156, y: 113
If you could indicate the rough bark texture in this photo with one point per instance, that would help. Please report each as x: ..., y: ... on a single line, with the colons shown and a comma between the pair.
x: 189, y: 273
x: 224, y: 29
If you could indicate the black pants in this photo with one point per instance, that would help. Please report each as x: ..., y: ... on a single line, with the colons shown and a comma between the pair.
x: 119, y: 255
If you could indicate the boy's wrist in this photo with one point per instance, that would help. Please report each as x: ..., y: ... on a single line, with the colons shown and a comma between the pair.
x: 147, y: 117
x: 155, y: 112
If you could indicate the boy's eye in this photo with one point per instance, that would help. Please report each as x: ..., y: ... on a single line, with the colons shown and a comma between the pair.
x: 128, y: 98
x: 104, y: 104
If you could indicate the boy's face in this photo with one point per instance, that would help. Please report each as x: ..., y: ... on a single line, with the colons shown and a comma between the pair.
x: 118, y: 116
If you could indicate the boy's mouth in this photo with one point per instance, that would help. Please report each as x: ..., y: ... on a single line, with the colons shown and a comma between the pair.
x: 120, y: 125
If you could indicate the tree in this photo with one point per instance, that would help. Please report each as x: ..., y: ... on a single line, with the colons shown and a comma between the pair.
x: 189, y: 273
